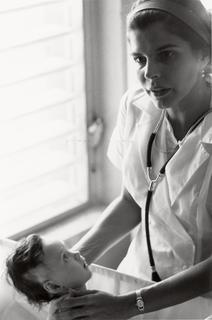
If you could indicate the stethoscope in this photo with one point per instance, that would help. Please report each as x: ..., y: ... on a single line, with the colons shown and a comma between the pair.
x: 154, y: 182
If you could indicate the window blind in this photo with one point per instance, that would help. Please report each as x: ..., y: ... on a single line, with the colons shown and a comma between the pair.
x: 43, y: 150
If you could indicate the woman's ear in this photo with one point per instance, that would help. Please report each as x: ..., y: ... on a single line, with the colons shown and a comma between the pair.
x: 207, y: 74
x: 205, y: 61
x: 53, y: 288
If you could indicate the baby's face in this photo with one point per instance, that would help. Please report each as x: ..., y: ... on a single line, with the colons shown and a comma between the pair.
x: 64, y: 268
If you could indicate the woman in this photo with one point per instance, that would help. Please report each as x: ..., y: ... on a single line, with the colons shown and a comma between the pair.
x: 163, y: 142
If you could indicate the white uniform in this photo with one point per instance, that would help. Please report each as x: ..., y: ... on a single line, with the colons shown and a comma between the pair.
x: 181, y: 207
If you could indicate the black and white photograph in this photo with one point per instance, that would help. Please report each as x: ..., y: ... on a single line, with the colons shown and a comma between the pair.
x: 105, y: 160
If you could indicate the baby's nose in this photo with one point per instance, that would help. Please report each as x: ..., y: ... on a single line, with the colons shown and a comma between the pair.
x: 76, y: 255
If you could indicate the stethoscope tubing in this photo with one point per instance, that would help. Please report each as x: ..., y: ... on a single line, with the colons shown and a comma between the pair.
x: 153, y: 184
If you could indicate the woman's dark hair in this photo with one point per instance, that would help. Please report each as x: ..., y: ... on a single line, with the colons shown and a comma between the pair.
x: 142, y: 19
x: 27, y: 256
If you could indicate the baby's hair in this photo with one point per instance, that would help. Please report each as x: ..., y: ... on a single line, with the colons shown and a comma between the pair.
x: 27, y: 256
x: 143, y: 19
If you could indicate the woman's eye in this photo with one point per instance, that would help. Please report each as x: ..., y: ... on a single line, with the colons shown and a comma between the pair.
x: 165, y: 56
x: 140, y: 60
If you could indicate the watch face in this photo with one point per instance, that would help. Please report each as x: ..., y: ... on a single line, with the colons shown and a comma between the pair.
x: 139, y: 301
x: 140, y: 304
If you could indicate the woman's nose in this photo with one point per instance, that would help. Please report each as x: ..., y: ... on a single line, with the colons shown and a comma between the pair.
x: 151, y: 70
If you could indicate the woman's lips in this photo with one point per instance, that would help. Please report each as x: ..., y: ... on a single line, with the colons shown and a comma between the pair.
x: 161, y: 92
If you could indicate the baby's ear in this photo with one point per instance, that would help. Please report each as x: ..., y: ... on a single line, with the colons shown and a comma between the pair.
x: 51, y: 287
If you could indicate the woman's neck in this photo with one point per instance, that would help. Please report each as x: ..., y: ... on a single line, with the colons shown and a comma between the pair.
x: 184, y: 116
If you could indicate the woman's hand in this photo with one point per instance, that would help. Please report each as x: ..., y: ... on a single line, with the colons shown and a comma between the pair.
x: 93, y: 304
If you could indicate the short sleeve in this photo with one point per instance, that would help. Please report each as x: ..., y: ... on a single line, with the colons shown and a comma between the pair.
x: 117, y: 142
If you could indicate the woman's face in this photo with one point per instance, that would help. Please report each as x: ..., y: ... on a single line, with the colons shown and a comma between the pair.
x: 167, y: 68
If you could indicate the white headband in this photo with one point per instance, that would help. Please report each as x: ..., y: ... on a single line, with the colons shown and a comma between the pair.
x: 188, y: 16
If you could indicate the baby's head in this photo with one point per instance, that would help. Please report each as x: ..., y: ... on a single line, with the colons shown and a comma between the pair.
x: 43, y: 269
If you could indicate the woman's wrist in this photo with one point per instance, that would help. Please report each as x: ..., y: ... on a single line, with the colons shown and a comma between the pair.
x: 129, y: 305
x: 140, y: 301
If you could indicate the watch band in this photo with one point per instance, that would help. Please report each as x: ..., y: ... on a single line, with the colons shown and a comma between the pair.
x: 139, y: 301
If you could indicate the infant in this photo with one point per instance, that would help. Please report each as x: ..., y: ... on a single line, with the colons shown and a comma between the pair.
x: 43, y: 269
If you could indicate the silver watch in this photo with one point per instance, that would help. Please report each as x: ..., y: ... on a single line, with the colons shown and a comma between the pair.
x: 139, y: 301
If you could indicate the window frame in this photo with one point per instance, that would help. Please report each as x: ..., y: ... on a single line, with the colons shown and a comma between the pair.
x: 88, y: 61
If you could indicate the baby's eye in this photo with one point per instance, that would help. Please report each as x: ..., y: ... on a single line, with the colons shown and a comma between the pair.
x: 165, y: 56
x: 140, y: 60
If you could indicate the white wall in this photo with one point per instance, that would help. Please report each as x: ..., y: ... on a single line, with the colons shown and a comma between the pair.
x: 107, y: 67
x: 113, y: 80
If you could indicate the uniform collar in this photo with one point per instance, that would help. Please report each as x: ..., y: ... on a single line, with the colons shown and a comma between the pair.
x: 177, y: 175
x: 196, y: 150
x: 142, y: 101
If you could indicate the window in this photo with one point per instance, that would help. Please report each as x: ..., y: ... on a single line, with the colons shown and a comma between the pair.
x: 43, y: 149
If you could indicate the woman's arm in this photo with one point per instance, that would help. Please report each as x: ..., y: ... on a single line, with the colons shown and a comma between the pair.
x: 179, y: 288
x: 120, y: 217
x: 186, y: 285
